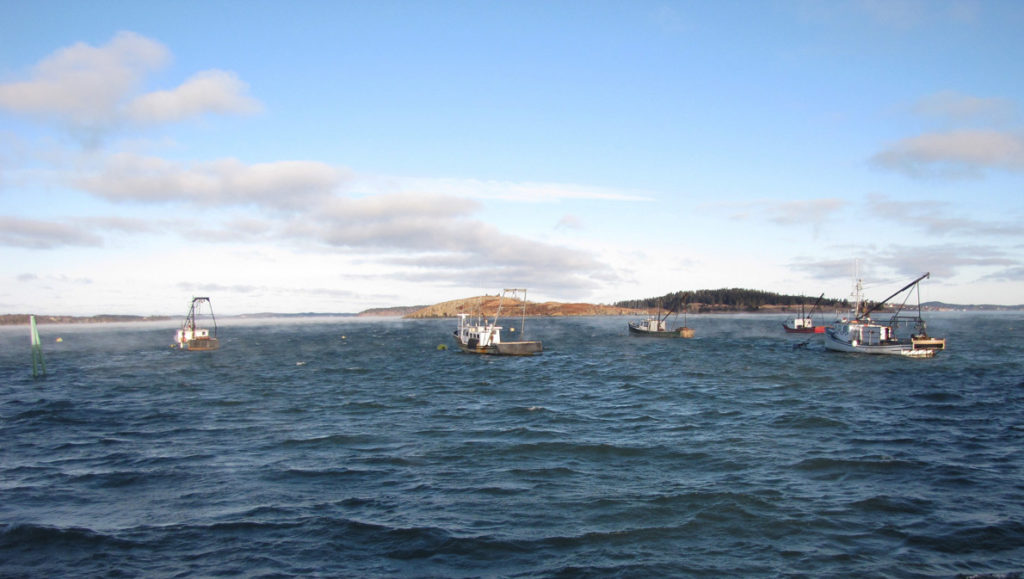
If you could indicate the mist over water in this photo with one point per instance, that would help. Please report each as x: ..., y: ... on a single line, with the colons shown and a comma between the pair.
x: 358, y: 447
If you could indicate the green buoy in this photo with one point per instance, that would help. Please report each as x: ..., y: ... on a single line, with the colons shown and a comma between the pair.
x: 38, y: 365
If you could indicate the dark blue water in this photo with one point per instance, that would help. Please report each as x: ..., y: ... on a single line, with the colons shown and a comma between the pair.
x: 358, y: 448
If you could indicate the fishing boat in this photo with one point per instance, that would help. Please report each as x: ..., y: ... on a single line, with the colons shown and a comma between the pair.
x: 482, y: 337
x: 859, y: 333
x: 805, y: 323
x: 191, y: 336
x: 656, y: 327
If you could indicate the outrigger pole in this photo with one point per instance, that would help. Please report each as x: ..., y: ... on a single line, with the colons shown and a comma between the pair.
x: 901, y: 290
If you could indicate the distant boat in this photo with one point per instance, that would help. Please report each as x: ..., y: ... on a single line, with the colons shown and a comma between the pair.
x: 656, y: 327
x: 191, y: 336
x: 859, y: 333
x: 483, y: 337
x: 805, y: 323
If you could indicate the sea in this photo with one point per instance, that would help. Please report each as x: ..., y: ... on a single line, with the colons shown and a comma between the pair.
x: 369, y: 447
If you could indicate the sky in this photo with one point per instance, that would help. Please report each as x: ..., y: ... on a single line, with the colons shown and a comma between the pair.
x: 337, y: 156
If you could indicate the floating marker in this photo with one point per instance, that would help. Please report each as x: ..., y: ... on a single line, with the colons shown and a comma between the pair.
x: 38, y: 365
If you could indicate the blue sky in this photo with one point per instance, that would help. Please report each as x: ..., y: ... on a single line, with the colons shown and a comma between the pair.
x: 337, y: 156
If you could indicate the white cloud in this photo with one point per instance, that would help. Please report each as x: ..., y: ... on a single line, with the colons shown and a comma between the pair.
x: 961, y: 108
x: 438, y: 240
x: 518, y: 191
x: 811, y: 211
x: 36, y: 234
x: 83, y: 84
x: 281, y: 184
x: 893, y: 263
x: 1010, y: 274
x: 955, y: 153
x: 569, y: 222
x: 807, y: 212
x: 212, y: 91
x: 933, y: 217
x: 93, y: 90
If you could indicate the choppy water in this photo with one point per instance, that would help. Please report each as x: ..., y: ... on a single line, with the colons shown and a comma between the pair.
x: 354, y: 447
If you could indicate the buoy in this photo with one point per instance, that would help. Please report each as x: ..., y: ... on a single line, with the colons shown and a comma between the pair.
x: 38, y: 364
x: 442, y: 347
x: 60, y: 339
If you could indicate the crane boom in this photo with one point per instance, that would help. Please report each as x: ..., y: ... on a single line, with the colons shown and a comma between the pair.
x: 901, y: 290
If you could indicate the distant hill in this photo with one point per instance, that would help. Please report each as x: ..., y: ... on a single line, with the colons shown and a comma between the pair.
x: 388, y: 312
x: 701, y: 301
x: 23, y: 319
x: 942, y: 306
x: 488, y: 306
x: 731, y: 300
x: 262, y: 315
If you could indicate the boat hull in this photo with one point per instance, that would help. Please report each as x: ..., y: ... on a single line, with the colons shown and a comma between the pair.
x: 528, y: 348
x: 836, y: 344
x: 200, y: 345
x: 810, y: 330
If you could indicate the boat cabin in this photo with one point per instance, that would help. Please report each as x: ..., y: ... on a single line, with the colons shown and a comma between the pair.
x: 652, y: 325
x: 868, y: 334
x: 802, y: 323
x: 478, y: 335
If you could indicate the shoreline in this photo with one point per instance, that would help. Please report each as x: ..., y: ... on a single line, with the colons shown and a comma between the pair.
x: 23, y: 319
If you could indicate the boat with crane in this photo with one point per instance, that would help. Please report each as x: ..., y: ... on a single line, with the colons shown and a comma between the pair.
x: 859, y: 333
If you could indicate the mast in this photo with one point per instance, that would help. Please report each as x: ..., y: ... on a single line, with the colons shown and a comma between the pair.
x: 190, y: 319
x: 857, y: 290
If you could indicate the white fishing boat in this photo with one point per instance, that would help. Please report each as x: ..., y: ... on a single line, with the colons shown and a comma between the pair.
x: 191, y: 336
x: 656, y: 326
x: 859, y: 333
x: 484, y: 337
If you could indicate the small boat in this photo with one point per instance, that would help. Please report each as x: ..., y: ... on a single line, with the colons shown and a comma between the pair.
x: 859, y: 333
x: 805, y: 323
x: 483, y: 337
x: 192, y: 337
x: 656, y: 327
